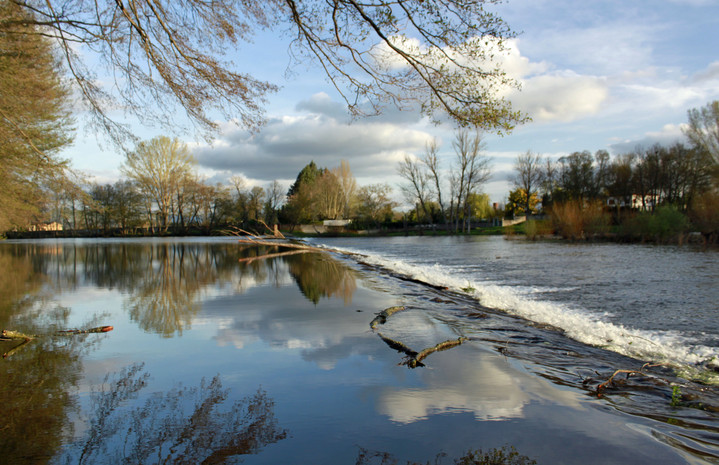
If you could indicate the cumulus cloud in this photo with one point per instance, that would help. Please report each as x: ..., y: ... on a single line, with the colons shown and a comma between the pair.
x: 318, y: 133
x: 561, y: 97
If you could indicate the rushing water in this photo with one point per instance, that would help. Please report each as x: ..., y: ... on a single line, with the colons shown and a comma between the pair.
x: 654, y: 303
x: 222, y: 353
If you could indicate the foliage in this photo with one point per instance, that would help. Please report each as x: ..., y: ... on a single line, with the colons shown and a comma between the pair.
x: 518, y: 202
x: 703, y: 128
x: 423, y: 187
x: 160, y: 167
x: 536, y: 228
x: 506, y: 455
x: 319, y: 193
x: 666, y: 223
x: 676, y: 396
x: 528, y: 177
x: 34, y: 121
x: 479, y: 207
x: 577, y: 220
x: 374, y: 204
x: 704, y: 214
x: 165, y: 54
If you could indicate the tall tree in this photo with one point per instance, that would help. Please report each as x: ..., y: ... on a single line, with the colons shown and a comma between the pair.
x: 348, y: 188
x: 528, y: 176
x: 34, y: 121
x: 167, y: 53
x: 374, y: 203
x: 431, y: 161
x: 471, y: 171
x: 576, y: 176
x: 703, y: 128
x: 416, y: 190
x: 159, y: 166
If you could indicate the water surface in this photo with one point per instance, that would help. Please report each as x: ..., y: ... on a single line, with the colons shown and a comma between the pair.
x: 221, y: 353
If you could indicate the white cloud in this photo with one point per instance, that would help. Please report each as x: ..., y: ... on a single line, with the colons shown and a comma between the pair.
x: 287, y: 143
x: 560, y: 97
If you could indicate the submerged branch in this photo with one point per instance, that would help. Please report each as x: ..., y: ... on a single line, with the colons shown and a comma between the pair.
x: 382, y: 316
x: 416, y: 361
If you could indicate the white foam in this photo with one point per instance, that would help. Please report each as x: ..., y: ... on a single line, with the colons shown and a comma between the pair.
x: 578, y: 324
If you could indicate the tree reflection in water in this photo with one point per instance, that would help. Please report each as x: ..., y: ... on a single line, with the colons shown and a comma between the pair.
x: 506, y: 455
x: 318, y: 275
x: 35, y: 382
x: 184, y: 425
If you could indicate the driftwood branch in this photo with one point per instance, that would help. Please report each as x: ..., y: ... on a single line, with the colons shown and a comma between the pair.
x: 413, y: 358
x: 640, y: 371
x: 416, y: 361
x: 271, y: 255
x: 10, y: 335
x: 382, y: 316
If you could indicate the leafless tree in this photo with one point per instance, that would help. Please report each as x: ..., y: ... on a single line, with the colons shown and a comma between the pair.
x: 416, y: 190
x: 472, y: 170
x: 703, y: 129
x: 159, y: 166
x: 431, y: 161
x: 161, y: 54
x: 528, y: 175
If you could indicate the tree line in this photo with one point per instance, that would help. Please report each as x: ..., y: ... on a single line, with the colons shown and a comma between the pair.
x: 672, y: 185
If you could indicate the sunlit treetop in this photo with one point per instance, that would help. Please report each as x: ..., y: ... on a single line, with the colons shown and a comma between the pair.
x: 438, y: 55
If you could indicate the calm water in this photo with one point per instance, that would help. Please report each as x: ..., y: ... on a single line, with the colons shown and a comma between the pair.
x: 224, y: 354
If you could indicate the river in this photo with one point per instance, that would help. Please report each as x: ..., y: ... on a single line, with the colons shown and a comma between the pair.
x: 225, y: 353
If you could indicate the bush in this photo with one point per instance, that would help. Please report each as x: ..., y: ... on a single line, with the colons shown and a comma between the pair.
x: 704, y: 215
x: 577, y: 220
x: 665, y: 224
x: 536, y: 228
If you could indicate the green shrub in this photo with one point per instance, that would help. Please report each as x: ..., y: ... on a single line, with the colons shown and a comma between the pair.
x: 663, y: 225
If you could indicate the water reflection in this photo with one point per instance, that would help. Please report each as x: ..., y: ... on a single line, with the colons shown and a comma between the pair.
x: 35, y: 382
x: 469, y: 381
x: 166, y: 281
x: 506, y: 455
x: 183, y: 425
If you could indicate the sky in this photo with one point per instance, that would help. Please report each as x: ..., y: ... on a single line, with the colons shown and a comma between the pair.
x: 594, y: 75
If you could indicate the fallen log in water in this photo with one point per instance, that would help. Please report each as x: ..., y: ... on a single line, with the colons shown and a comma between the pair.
x: 382, y: 316
x: 414, y: 362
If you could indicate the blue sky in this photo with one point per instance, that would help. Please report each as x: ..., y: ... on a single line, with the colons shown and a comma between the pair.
x: 595, y: 75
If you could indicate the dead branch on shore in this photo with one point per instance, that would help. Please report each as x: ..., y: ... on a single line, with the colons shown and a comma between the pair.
x: 382, y: 316
x: 10, y: 335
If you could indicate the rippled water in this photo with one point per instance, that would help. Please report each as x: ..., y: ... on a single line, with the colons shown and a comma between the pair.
x: 222, y: 353
x: 656, y: 303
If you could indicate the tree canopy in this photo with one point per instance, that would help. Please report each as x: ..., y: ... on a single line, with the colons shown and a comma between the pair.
x: 703, y: 128
x: 34, y: 121
x: 161, y: 54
